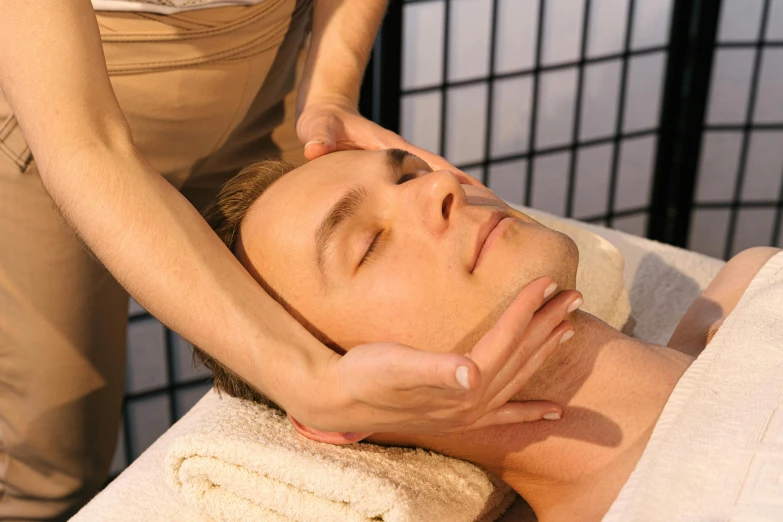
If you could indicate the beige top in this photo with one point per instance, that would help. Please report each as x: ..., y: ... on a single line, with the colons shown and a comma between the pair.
x: 165, y: 6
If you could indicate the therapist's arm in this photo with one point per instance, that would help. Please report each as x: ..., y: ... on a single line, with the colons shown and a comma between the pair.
x: 153, y: 241
x: 53, y: 72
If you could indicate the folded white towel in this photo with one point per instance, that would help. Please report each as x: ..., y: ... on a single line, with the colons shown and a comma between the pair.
x: 243, y: 461
x: 716, y: 452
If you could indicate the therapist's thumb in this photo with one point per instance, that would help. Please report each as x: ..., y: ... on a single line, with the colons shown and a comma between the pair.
x: 437, y: 370
x: 318, y: 137
x: 384, y: 367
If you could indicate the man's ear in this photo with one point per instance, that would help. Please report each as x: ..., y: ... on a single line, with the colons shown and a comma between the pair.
x: 330, y: 437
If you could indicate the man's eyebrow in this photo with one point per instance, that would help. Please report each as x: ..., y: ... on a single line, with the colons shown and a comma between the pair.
x: 395, y: 158
x: 349, y: 204
x: 337, y: 215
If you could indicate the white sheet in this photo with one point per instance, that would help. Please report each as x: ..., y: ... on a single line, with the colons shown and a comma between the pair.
x: 662, y: 281
x: 717, y: 450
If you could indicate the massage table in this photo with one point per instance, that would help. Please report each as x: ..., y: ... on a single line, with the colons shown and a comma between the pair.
x: 662, y: 282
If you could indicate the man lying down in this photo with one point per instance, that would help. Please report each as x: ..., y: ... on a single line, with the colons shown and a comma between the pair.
x: 373, y: 246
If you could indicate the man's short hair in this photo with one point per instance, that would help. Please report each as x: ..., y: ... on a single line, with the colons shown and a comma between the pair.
x: 225, y: 215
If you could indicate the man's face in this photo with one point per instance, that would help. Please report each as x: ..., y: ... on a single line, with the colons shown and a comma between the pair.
x: 373, y: 246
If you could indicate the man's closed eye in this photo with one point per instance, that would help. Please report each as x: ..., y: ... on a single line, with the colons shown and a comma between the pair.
x: 371, y: 249
x: 405, y: 178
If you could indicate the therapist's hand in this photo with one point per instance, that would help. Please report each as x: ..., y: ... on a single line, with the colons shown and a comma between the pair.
x: 387, y: 387
x: 332, y: 124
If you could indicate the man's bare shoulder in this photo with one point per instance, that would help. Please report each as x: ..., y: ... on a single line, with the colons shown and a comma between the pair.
x: 707, y: 312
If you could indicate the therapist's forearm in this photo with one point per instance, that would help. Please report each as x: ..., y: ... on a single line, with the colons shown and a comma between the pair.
x: 158, y: 246
x: 153, y: 241
x: 342, y: 38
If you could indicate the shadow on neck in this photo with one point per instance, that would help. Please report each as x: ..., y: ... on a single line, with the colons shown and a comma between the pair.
x: 613, y: 389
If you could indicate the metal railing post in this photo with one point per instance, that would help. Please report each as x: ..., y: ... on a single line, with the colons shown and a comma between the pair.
x: 692, y: 41
x: 381, y: 88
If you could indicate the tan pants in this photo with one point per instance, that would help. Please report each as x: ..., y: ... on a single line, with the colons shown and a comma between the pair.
x: 205, y: 93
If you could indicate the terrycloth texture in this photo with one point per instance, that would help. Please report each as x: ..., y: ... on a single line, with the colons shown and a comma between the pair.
x: 244, y: 461
x: 662, y: 282
x: 717, y: 450
x: 600, y: 273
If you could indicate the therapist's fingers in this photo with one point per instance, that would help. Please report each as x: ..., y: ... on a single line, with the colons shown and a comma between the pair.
x: 532, y: 364
x: 494, y: 349
x: 329, y: 437
x: 537, y: 341
x: 516, y: 412
x: 317, y: 148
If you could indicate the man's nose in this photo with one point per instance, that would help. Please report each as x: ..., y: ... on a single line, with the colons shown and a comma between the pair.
x: 438, y: 195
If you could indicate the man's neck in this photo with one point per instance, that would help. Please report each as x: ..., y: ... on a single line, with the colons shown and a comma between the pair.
x: 613, y: 389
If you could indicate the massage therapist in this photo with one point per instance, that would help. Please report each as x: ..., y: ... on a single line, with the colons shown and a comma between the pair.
x: 118, y: 120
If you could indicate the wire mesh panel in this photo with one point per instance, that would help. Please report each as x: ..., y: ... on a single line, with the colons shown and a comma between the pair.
x: 551, y: 103
x: 738, y: 200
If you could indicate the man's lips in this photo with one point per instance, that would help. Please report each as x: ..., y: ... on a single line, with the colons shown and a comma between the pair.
x: 485, y: 237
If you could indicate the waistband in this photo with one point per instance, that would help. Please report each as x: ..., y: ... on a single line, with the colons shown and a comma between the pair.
x: 136, y: 6
x: 256, y: 29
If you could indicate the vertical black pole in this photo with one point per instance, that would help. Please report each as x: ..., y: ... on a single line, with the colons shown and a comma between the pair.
x: 778, y: 224
x: 171, y: 377
x: 619, y: 123
x: 536, y: 79
x: 692, y: 40
x: 577, y: 118
x: 127, y: 433
x: 444, y: 86
x: 380, y: 93
x: 493, y: 44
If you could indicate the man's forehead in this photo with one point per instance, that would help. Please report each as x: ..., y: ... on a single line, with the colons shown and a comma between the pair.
x: 321, y: 182
x: 294, y: 204
x: 329, y: 173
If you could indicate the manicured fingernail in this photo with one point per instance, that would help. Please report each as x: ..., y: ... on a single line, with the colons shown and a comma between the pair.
x: 576, y: 304
x: 550, y: 290
x: 552, y: 416
x: 462, y: 377
x: 313, y: 143
x: 566, y: 336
